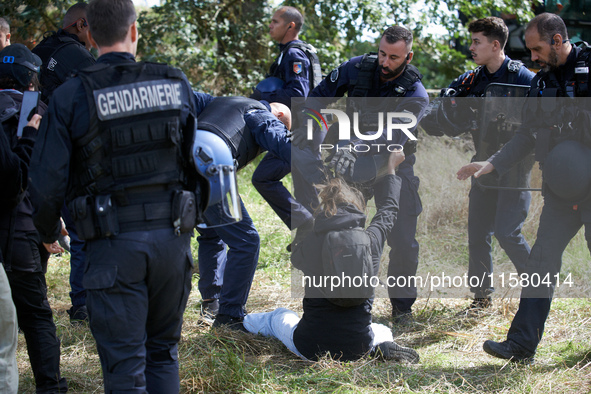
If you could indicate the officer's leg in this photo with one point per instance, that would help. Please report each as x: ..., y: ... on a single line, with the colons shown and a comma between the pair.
x: 481, y: 216
x: 77, y: 262
x: 307, y: 170
x: 512, y: 208
x: 169, y: 284
x: 117, y: 301
x: 280, y: 156
x: 267, y: 180
x: 35, y: 318
x: 306, y: 199
x: 404, y: 253
x: 212, y: 263
x: 559, y: 223
x: 243, y: 242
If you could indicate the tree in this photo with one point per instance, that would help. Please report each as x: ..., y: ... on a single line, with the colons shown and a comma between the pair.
x: 30, y: 19
x: 224, y: 48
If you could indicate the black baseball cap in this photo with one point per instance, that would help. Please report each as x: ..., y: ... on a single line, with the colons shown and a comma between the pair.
x: 18, y: 61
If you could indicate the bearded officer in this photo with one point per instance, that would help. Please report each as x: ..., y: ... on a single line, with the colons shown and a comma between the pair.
x: 560, y: 135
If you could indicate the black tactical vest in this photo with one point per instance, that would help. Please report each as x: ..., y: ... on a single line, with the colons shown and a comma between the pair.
x: 133, y: 148
x: 56, y: 66
x: 545, y: 84
x: 367, y: 67
x: 473, y: 84
x: 555, y: 112
x: 364, y: 83
x: 224, y: 117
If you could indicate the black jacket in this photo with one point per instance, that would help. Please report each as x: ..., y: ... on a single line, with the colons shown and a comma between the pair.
x: 326, y: 327
x: 524, y: 141
x: 16, y: 210
x: 58, y: 65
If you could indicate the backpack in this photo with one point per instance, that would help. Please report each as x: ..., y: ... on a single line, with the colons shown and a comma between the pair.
x: 346, y: 254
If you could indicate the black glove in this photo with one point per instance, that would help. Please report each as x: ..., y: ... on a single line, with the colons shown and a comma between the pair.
x: 298, y: 137
x: 343, y: 161
x: 256, y: 94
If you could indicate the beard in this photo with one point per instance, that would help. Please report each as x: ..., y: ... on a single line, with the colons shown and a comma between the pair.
x: 391, y: 74
x: 552, y: 62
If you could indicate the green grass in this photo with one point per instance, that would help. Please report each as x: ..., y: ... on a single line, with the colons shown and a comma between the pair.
x: 452, y: 360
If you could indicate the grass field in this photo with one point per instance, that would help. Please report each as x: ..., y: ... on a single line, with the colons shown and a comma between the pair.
x: 450, y: 346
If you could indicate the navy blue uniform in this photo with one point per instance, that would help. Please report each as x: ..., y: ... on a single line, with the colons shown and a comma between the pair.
x: 138, y: 281
x: 404, y: 253
x: 62, y: 53
x: 491, y: 211
x: 559, y: 222
x: 294, y: 68
x: 227, y: 274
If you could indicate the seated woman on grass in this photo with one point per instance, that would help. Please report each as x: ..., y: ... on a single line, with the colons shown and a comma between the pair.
x: 340, y: 326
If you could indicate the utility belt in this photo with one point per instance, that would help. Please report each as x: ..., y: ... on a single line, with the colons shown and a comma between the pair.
x: 100, y: 217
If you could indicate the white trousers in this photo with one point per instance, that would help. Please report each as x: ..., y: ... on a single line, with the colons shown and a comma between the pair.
x: 282, y: 322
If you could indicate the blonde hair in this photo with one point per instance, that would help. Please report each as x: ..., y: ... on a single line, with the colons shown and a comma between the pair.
x: 337, y: 192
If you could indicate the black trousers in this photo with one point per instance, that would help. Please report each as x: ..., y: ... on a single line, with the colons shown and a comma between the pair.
x: 35, y: 319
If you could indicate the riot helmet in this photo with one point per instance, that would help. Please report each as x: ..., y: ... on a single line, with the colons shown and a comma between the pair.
x: 567, y: 171
x: 216, y: 168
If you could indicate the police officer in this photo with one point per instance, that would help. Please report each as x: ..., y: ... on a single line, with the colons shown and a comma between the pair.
x: 25, y: 259
x: 491, y: 211
x: 119, y: 138
x: 62, y: 53
x: 248, y: 127
x: 388, y: 74
x: 65, y: 50
x: 297, y: 70
x: 563, y: 213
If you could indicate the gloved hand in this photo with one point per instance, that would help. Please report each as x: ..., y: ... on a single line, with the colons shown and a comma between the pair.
x: 343, y: 161
x: 298, y: 137
x: 256, y: 94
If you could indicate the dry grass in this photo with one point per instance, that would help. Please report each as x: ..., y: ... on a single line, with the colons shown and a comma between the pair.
x: 450, y: 345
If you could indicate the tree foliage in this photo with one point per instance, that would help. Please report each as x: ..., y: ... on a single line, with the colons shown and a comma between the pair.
x: 224, y: 48
x: 30, y: 19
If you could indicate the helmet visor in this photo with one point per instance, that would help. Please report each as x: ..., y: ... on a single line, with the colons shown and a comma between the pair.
x: 228, y: 209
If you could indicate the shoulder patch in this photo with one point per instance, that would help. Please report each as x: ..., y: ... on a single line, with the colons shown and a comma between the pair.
x: 297, y: 67
x: 334, y: 75
x: 514, y: 65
